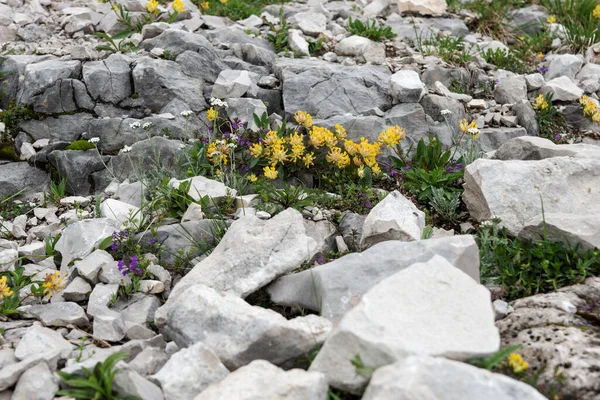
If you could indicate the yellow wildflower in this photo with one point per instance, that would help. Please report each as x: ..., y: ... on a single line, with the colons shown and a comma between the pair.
x: 217, y: 152
x: 361, y: 172
x: 297, y: 152
x: 596, y: 117
x: 151, y: 6
x: 464, y: 125
x: 376, y: 170
x: 5, y: 290
x: 368, y: 150
x: 308, y: 159
x: 53, y: 283
x: 270, y: 172
x: 278, y: 154
x: 178, y: 6
x: 296, y: 139
x: 224, y: 1
x: 115, y: 7
x: 340, y: 132
x: 551, y: 19
x: 351, y: 147
x: 596, y: 12
x: 335, y: 156
x: 516, y: 362
x: 392, y: 136
x: 212, y: 114
x: 252, y: 178
x: 205, y: 5
x: 316, y: 138
x: 357, y: 161
x: 540, y: 103
x: 272, y: 139
x: 589, y: 106
x: 256, y: 150
x: 540, y: 56
x: 303, y: 118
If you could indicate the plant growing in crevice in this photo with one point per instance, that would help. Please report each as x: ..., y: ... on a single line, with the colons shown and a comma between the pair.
x: 370, y: 30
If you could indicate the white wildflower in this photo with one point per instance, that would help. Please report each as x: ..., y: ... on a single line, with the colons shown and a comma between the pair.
x: 186, y: 113
x: 220, y: 142
x: 147, y: 125
x: 218, y: 102
x: 182, y: 146
x: 134, y: 125
x: 126, y: 149
x: 94, y: 140
x: 232, y: 145
x: 214, y: 153
x: 473, y: 131
x: 446, y: 112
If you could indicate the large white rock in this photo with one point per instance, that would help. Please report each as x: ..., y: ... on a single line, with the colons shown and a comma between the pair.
x: 120, y: 211
x: 393, y: 218
x: 423, y: 7
x: 429, y: 378
x: 564, y: 65
x: 231, y: 83
x: 514, y: 190
x: 261, y: 380
x: 358, y: 46
x: 406, y: 86
x: 297, y: 42
x: 40, y: 340
x: 562, y: 89
x: 253, y: 253
x: 429, y: 308
x: 572, y: 230
x: 311, y: 23
x: 202, y: 186
x: 538, y: 148
x: 236, y: 331
x: 36, y: 383
x: 335, y: 288
x: 81, y: 238
x: 189, y: 371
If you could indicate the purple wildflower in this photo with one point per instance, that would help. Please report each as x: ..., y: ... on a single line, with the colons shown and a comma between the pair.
x: 363, y: 195
x: 205, y: 140
x: 558, y: 137
x: 543, y: 70
x: 121, y: 266
x: 368, y: 205
x: 407, y: 166
x: 114, y: 246
x: 234, y: 124
x: 320, y: 260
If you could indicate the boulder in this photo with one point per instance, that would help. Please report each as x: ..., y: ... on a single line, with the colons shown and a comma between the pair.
x: 572, y: 230
x: 60, y: 314
x: 42, y: 75
x: 261, y: 380
x: 510, y: 90
x: 562, y: 89
x: 514, y: 190
x: 253, y: 253
x: 423, y: 7
x: 311, y: 23
x: 236, y: 331
x: 393, y: 218
x: 109, y: 80
x: 201, y: 186
x: 36, y: 383
x: 435, y: 378
x: 406, y: 87
x: 76, y: 166
x: 537, y: 148
x: 564, y: 65
x: 20, y: 177
x: 335, y: 288
x: 39, y: 340
x: 358, y: 46
x: 429, y: 308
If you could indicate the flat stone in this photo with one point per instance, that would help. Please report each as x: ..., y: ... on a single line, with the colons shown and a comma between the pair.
x: 60, y: 314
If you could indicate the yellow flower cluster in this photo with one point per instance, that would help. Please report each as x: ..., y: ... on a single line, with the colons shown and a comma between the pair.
x: 205, y: 5
x: 212, y: 114
x: 5, y: 290
x: 470, y: 128
x: 540, y: 102
x: 516, y: 363
x: 151, y: 6
x: 590, y: 109
x: 551, y: 19
x: 178, y: 6
x: 303, y: 118
x: 596, y: 12
x: 53, y: 283
x: 218, y: 152
x: 392, y: 136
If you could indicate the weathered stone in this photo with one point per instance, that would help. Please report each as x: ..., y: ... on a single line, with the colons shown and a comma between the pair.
x: 237, y: 332
x: 109, y: 80
x: 20, y: 177
x: 423, y: 7
x: 572, y: 230
x: 562, y: 89
x: 406, y: 87
x: 189, y: 372
x: 358, y: 46
x: 149, y: 361
x: 42, y: 75
x: 537, y: 148
x: 120, y: 211
x: 42, y: 341
x: 510, y: 90
x: 564, y: 65
x: 60, y: 314
x: 76, y: 290
x: 89, y: 267
x: 76, y: 167
x: 335, y: 288
x: 36, y: 383
x: 262, y: 380
x: 311, y: 23
x: 393, y: 218
x: 231, y: 83
x: 429, y: 299
x: 441, y: 379
x: 127, y: 382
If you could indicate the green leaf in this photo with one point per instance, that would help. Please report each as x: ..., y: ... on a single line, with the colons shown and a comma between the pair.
x: 105, y: 243
x: 122, y: 35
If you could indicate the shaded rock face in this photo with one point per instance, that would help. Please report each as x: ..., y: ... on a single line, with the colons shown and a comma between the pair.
x: 559, y: 331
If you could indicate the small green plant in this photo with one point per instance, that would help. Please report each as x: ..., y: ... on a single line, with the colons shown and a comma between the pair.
x: 278, y: 35
x: 353, y: 197
x: 235, y: 9
x: 491, y: 18
x: 168, y: 55
x: 370, y: 30
x: 550, y: 121
x: 451, y: 49
x: 81, y: 145
x: 446, y: 204
x: 579, y: 19
x: 507, y: 60
x: 117, y: 43
x: 315, y: 47
x: 94, y: 384
x: 14, y: 114
x: 495, y: 359
x: 57, y: 191
x: 50, y: 244
x: 360, y: 367
x: 276, y: 200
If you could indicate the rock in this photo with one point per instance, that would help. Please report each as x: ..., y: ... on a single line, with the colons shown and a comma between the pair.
x: 36, y: 383
x: 201, y: 186
x: 9, y: 374
x: 132, y: 193
x: 572, y: 230
x: 511, y: 90
x: 351, y: 226
x: 60, y: 314
x: 529, y: 19
x: 189, y: 372
x: 534, y: 81
x: 530, y: 182
x: 438, y: 378
x: 422, y: 7
x: 231, y: 83
x: 179, y: 41
x: 297, y: 42
x: 393, y: 218
x: 81, y: 238
x: 562, y: 89
x: 42, y: 75
x: 77, y: 290
x: 311, y: 23
x: 501, y: 309
x: 100, y: 298
x: 492, y: 138
x: 262, y: 380
x: 537, y: 148
x: 33, y: 251
x: 406, y: 87
x: 127, y: 383
x: 27, y: 151
x: 42, y: 341
x: 108, y: 325
x: 20, y: 177
x: 444, y: 91
x: 558, y: 329
x: 76, y: 167
x: 145, y: 152
x: 430, y: 299
x: 120, y: 211
x: 89, y: 267
x: 526, y: 117
x: 358, y: 46
x: 335, y: 288
x: 149, y: 361
x: 325, y: 90
x: 244, y: 110
x: 433, y: 105
x: 193, y: 213
x: 564, y: 65
x: 237, y: 332
x: 252, y: 253
x: 412, y: 118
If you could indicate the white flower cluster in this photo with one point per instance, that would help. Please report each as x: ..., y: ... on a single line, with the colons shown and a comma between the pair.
x: 446, y: 112
x: 218, y: 102
x: 186, y: 113
x: 134, y: 125
x: 126, y: 149
x: 473, y: 131
x: 147, y: 125
x: 94, y: 140
x: 182, y: 146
